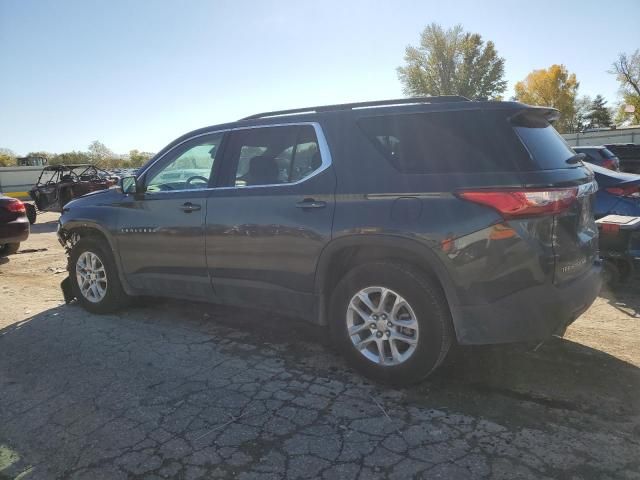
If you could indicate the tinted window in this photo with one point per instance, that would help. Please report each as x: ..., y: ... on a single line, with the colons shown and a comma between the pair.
x: 437, y: 142
x: 274, y: 155
x: 606, y: 153
x: 548, y: 149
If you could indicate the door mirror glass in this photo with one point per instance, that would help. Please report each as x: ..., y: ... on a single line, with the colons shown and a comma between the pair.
x: 128, y: 185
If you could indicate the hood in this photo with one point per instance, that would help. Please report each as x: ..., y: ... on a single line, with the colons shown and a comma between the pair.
x: 95, y: 198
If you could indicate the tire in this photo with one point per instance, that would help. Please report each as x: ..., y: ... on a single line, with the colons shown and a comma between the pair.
x: 427, y: 308
x: 110, y: 296
x: 9, y: 249
x: 31, y: 213
x: 611, y: 274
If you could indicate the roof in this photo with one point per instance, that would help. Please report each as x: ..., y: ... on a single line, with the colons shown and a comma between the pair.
x: 355, y: 105
x: 62, y: 168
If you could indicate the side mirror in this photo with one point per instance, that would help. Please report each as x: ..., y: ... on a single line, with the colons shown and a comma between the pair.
x: 129, y: 185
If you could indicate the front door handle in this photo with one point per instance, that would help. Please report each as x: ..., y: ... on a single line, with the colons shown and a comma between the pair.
x: 311, y: 203
x: 189, y: 207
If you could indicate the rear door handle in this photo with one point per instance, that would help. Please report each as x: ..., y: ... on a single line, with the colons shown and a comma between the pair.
x: 189, y: 207
x: 311, y: 203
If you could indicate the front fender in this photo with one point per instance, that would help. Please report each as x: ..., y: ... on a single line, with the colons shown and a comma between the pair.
x: 101, y: 219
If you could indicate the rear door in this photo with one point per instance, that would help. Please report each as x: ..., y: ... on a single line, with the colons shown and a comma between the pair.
x: 266, y: 226
x: 575, y: 235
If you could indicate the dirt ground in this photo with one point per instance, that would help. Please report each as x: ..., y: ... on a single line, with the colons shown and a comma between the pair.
x: 170, y: 389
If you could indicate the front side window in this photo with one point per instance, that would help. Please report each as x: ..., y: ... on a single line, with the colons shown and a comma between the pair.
x: 274, y: 155
x: 190, y: 169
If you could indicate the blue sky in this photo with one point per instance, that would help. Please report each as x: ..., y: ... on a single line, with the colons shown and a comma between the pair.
x: 136, y: 74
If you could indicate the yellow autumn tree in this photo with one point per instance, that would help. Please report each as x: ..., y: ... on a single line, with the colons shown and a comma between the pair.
x: 551, y: 87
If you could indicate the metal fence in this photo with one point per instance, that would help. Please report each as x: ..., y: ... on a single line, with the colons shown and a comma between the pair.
x: 621, y: 135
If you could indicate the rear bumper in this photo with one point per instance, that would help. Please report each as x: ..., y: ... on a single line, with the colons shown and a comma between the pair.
x: 534, y: 313
x: 14, y: 232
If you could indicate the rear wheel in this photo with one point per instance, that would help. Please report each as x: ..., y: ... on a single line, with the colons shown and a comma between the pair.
x: 8, y: 249
x: 94, y: 276
x: 391, y: 322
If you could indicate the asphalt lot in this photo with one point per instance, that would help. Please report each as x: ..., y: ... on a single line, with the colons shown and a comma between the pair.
x: 176, y: 390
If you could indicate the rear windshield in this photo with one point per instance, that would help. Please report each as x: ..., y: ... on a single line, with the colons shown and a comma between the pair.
x: 545, y: 145
x: 436, y: 142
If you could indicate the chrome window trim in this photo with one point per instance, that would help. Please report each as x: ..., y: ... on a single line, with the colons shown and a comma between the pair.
x: 325, y: 157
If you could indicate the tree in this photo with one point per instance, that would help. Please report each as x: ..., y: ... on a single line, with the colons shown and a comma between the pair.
x: 7, y: 157
x: 138, y: 158
x: 99, y: 153
x: 452, y: 62
x: 582, y: 108
x: 627, y: 70
x: 599, y: 115
x: 70, y: 158
x: 551, y: 87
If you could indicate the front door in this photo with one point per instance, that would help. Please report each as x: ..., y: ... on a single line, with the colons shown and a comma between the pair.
x: 161, y: 232
x: 266, y: 229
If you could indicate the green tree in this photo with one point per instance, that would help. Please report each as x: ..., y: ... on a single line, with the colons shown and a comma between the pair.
x: 99, y: 154
x: 551, y: 87
x: 70, y: 158
x: 599, y: 115
x: 452, y: 62
x: 138, y: 158
x: 627, y: 70
x: 582, y: 108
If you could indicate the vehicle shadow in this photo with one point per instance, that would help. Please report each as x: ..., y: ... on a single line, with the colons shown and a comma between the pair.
x: 560, y: 375
x: 625, y: 298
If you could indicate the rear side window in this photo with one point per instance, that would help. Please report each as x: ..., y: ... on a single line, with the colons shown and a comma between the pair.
x: 606, y: 153
x: 436, y: 142
x: 545, y: 145
x: 274, y: 155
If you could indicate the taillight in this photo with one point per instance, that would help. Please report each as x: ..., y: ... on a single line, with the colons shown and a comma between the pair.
x: 626, y: 191
x: 16, y: 206
x: 609, y: 163
x: 524, y: 203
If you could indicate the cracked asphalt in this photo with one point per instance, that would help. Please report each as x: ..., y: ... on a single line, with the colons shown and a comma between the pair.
x: 176, y: 390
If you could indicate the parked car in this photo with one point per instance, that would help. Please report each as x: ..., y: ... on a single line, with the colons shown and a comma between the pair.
x: 59, y: 184
x: 401, y: 226
x: 629, y: 155
x: 618, y: 193
x: 14, y: 225
x: 601, y: 156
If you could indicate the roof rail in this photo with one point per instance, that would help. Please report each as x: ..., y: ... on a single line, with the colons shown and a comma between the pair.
x: 351, y: 106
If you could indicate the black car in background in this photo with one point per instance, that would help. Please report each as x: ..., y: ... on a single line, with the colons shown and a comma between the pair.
x: 14, y: 225
x: 629, y: 155
x: 601, y: 156
x: 401, y: 226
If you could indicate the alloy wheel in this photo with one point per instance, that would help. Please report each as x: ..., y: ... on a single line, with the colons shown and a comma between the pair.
x: 382, y: 326
x: 91, y: 276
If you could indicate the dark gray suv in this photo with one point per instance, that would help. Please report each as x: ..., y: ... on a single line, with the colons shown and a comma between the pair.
x: 401, y: 225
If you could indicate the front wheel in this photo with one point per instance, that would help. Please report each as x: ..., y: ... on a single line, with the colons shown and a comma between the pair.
x: 94, y: 277
x: 391, y: 322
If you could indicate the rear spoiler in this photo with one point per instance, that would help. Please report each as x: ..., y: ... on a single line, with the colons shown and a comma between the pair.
x: 548, y: 113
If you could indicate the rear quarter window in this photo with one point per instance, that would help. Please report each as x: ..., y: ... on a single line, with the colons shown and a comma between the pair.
x: 547, y: 148
x: 437, y: 142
